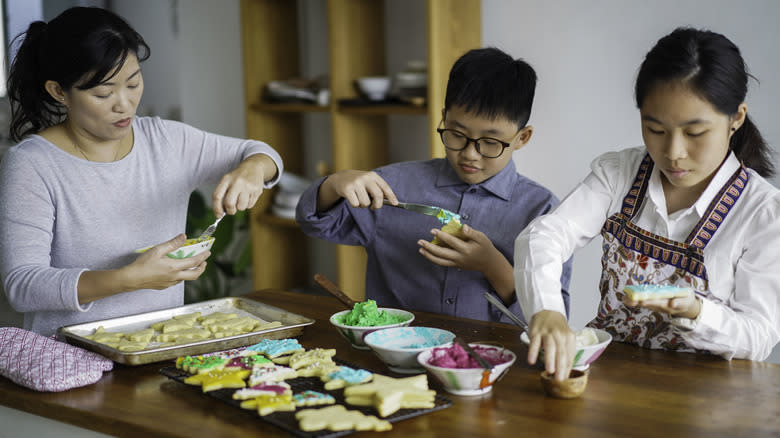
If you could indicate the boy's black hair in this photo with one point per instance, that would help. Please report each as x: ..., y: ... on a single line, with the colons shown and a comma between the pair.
x: 490, y: 83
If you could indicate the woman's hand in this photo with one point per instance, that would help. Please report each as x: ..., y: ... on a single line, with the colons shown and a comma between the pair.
x: 685, y: 307
x: 549, y: 330
x: 155, y: 270
x: 241, y: 188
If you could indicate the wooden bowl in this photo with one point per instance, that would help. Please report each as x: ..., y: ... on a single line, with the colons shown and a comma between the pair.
x: 572, y: 387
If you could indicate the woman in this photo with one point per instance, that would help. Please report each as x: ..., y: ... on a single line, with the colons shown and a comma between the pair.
x: 691, y: 208
x: 90, y: 182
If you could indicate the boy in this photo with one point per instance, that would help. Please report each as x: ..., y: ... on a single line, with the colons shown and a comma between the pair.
x: 487, y: 105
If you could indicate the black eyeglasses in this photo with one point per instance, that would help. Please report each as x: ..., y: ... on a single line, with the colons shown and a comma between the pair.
x: 488, y: 147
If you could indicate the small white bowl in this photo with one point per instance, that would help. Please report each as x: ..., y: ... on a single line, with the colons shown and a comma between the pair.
x: 398, y: 347
x: 374, y: 87
x: 470, y: 381
x: 190, y: 248
x: 585, y: 355
x: 354, y: 334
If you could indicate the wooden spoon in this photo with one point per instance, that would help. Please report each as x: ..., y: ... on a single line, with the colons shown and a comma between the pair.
x: 334, y: 290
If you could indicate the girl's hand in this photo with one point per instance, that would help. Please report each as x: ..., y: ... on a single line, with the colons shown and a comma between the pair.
x: 549, y: 330
x: 685, y: 307
x: 241, y: 188
x: 155, y: 270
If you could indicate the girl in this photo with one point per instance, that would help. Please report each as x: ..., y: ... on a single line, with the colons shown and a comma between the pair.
x: 691, y: 208
x: 90, y: 182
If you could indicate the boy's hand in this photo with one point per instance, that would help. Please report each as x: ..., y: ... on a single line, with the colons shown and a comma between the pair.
x: 359, y: 188
x: 475, y: 253
x: 549, y: 330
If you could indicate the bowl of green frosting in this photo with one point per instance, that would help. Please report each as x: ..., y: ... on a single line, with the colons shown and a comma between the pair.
x: 365, y: 317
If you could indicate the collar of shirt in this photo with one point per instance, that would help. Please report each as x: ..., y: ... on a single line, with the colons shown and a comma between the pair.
x: 656, y: 192
x: 499, y: 184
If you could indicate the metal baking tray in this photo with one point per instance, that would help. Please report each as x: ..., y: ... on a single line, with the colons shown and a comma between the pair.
x: 292, y: 326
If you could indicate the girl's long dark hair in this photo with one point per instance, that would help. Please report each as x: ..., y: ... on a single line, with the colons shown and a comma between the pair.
x: 712, y: 66
x: 82, y: 47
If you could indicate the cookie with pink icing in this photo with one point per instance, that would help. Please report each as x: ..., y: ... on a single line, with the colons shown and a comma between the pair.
x: 271, y: 388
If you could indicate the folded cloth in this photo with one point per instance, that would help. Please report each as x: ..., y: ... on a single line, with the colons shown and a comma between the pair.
x: 45, y: 364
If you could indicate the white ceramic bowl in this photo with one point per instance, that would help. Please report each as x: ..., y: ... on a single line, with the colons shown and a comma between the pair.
x: 190, y: 248
x: 585, y: 355
x: 374, y: 87
x: 398, y: 347
x: 355, y: 334
x: 470, y: 381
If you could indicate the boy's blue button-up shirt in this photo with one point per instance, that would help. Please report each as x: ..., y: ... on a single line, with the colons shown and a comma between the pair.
x: 397, y: 275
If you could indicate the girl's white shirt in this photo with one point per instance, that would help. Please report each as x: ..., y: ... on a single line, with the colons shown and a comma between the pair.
x: 741, y: 259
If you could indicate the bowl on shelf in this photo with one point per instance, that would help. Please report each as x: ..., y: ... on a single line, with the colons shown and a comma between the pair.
x: 572, y: 387
x: 468, y: 381
x: 190, y: 248
x: 374, y: 87
x: 596, y: 340
x: 355, y: 334
x: 398, y: 347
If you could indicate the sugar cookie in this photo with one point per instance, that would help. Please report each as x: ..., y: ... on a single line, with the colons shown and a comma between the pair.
x: 275, y: 373
x: 337, y: 418
x: 388, y: 394
x: 308, y: 357
x: 266, y: 404
x: 275, y: 388
x: 276, y: 347
x: 217, y: 379
x: 345, y: 376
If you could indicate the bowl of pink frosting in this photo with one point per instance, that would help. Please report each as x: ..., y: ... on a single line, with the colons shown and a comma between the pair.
x: 460, y: 374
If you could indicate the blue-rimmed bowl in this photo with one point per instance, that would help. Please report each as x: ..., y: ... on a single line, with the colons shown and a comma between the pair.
x: 398, y: 347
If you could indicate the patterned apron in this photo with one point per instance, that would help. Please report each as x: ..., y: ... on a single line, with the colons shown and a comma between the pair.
x: 635, y: 256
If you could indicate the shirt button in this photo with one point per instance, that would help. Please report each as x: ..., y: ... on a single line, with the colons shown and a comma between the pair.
x: 465, y: 216
x: 472, y: 190
x: 449, y: 301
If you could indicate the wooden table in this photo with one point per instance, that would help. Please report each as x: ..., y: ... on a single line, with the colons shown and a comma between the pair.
x: 632, y: 392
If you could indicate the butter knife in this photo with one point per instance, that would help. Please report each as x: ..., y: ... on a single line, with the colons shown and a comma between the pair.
x: 500, y: 306
x: 443, y: 215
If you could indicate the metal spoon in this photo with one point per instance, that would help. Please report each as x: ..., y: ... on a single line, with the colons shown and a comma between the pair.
x: 500, y: 306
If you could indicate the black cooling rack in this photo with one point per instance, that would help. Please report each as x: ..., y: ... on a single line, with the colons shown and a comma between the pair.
x: 287, y: 421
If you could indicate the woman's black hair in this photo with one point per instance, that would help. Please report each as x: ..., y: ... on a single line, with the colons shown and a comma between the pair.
x: 82, y: 47
x: 713, y: 68
x: 491, y: 83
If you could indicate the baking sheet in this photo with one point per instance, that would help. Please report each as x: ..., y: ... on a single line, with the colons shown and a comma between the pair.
x: 292, y: 326
x: 287, y: 421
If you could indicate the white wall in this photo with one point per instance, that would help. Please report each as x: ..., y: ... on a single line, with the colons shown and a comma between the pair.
x: 587, y: 54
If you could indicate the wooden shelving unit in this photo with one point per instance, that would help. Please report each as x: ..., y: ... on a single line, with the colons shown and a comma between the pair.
x: 356, y: 47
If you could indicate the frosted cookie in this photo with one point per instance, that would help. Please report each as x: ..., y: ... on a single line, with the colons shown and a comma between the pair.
x: 312, y: 398
x: 201, y: 364
x: 275, y: 347
x: 641, y: 292
x: 318, y: 369
x: 451, y: 226
x: 144, y: 335
x: 266, y: 404
x: 345, y: 376
x: 218, y: 379
x: 275, y: 373
x: 388, y: 395
x: 308, y: 357
x: 248, y: 362
x: 275, y: 388
x: 336, y: 418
